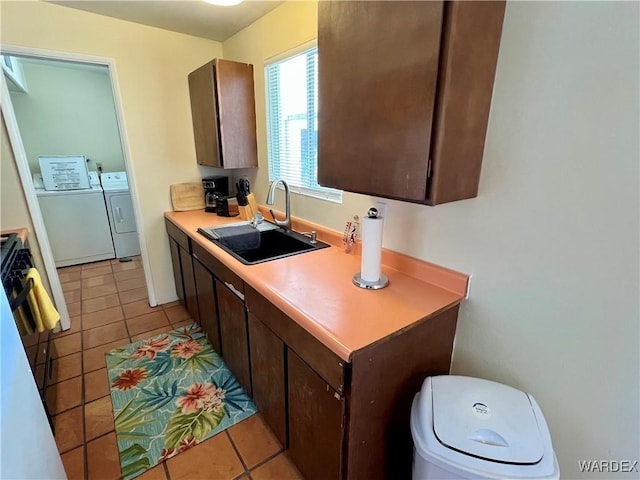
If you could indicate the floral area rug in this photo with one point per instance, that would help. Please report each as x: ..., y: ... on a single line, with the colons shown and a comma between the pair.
x: 169, y: 393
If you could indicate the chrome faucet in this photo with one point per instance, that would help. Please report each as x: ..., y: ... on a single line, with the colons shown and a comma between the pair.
x: 286, y: 223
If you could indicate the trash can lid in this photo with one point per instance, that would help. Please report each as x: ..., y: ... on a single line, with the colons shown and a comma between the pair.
x: 486, y: 419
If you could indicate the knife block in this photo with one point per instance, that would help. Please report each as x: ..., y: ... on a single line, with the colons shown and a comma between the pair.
x: 245, y: 212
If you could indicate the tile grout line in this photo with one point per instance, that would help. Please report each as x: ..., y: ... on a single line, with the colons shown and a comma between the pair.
x: 85, y: 448
x: 244, y: 465
x: 266, y: 460
x: 83, y: 393
x: 126, y: 326
x: 166, y: 470
x: 57, y: 383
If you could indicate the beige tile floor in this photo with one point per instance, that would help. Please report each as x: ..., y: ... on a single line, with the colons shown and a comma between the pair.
x: 109, y: 308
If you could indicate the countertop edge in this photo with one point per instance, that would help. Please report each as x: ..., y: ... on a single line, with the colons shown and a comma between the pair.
x: 23, y: 233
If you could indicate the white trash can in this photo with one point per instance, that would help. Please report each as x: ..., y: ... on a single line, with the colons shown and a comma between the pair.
x: 471, y: 428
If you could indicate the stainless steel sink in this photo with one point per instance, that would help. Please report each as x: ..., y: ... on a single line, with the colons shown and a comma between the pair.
x: 275, y: 243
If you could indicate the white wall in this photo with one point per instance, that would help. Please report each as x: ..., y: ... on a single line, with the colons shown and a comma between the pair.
x: 552, y: 239
x: 151, y: 68
x: 68, y: 110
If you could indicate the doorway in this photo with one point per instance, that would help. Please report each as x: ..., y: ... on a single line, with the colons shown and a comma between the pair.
x: 83, y: 117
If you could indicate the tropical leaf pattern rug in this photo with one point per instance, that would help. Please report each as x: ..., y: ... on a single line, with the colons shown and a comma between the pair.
x: 169, y: 393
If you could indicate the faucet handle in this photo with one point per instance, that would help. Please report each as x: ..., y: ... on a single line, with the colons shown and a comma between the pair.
x: 275, y: 220
x: 280, y: 223
x: 257, y: 219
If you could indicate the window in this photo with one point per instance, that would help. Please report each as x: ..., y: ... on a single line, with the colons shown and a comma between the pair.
x: 292, y: 122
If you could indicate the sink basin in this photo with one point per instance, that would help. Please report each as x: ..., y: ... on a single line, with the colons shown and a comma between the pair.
x: 275, y: 243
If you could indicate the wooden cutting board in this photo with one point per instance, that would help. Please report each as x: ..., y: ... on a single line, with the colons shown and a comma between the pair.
x: 187, y: 196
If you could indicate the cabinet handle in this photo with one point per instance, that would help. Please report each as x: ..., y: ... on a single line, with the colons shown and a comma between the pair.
x: 238, y: 293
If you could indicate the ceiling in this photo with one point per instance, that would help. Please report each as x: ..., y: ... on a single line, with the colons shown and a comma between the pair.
x: 195, y: 18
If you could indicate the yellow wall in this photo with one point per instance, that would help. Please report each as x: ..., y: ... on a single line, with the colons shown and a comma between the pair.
x: 552, y: 240
x: 152, y: 67
x: 13, y: 206
x: 286, y: 27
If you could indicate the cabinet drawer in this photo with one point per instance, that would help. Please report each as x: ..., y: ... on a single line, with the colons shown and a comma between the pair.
x: 178, y: 235
x: 326, y: 363
x: 224, y: 274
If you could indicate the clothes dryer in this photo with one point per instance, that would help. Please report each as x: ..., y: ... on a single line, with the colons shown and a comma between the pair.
x: 121, y: 217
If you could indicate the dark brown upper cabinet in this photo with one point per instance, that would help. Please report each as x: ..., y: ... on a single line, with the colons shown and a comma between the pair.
x: 404, y: 96
x: 224, y: 115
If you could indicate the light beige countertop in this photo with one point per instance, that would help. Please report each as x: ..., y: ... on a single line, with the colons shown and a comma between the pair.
x: 315, y: 289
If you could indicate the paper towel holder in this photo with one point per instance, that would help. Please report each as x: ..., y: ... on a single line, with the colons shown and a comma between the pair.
x: 383, y: 281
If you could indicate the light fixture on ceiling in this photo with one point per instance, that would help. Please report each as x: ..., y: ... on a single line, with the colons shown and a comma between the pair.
x: 224, y: 3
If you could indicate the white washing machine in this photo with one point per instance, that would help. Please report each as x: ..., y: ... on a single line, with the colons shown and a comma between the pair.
x: 76, y: 222
x: 121, y: 217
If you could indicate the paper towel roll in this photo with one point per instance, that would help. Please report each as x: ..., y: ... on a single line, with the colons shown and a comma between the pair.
x: 371, y: 248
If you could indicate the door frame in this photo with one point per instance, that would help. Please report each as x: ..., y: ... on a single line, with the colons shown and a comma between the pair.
x: 27, y: 180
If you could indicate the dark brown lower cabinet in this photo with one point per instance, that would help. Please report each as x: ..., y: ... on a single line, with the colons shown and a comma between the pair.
x: 384, y: 378
x: 207, y: 304
x: 316, y: 414
x: 350, y: 420
x: 189, y: 283
x: 177, y: 269
x: 338, y: 419
x: 268, y: 376
x: 234, y: 337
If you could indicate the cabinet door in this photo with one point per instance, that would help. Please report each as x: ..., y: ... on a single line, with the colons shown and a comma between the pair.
x: 471, y: 42
x: 268, y: 376
x: 223, y: 114
x: 233, y: 335
x: 190, y: 293
x: 315, y: 422
x: 377, y: 83
x: 204, y: 115
x: 236, y: 114
x: 207, y: 305
x: 177, y: 268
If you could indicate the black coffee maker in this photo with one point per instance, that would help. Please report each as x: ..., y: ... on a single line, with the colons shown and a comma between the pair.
x: 215, y: 187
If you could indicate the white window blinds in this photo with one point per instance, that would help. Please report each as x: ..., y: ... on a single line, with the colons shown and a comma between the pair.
x: 292, y: 123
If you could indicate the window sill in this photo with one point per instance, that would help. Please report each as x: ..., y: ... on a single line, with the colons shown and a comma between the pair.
x: 329, y: 196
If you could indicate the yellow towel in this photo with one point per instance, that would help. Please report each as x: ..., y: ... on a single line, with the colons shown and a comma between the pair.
x: 46, y: 315
x: 22, y: 321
